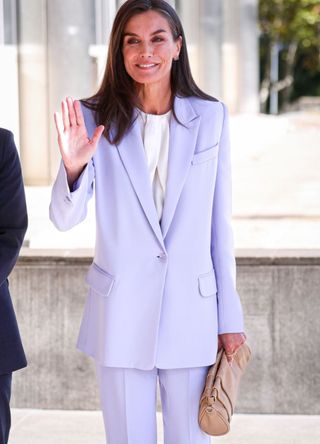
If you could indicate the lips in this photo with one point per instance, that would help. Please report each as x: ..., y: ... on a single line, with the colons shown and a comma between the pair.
x: 146, y: 65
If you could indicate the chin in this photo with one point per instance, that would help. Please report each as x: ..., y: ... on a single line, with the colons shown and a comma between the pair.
x: 145, y: 79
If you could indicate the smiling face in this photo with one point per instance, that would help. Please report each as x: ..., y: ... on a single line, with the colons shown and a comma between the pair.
x: 149, y: 48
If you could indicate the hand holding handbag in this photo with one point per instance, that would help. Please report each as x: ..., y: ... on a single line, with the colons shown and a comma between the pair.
x: 220, y: 392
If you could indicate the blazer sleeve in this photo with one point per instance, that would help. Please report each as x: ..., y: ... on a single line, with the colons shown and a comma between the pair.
x: 69, y: 207
x: 230, y: 315
x: 13, y: 210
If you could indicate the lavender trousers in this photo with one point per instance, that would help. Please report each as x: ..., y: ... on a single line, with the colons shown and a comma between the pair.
x: 129, y: 398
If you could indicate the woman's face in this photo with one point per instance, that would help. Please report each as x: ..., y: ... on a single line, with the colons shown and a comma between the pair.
x: 149, y: 48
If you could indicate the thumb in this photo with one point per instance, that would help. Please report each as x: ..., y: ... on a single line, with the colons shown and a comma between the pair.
x: 97, y: 134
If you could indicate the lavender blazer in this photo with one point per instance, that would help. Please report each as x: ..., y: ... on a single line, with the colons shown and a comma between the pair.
x: 159, y: 293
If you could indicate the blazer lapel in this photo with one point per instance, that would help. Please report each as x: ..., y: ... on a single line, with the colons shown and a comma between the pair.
x: 133, y: 157
x: 181, y: 148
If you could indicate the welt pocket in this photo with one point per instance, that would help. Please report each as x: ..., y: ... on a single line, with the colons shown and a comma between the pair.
x: 100, y: 280
x: 207, y: 284
x: 205, y: 155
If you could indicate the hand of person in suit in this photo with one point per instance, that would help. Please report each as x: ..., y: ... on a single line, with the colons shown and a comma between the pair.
x: 231, y: 342
x: 75, y: 146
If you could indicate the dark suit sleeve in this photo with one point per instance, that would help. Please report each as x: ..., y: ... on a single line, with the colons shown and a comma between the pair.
x: 13, y: 211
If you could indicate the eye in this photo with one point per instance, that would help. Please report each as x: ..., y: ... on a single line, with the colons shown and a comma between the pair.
x: 157, y: 39
x: 132, y: 41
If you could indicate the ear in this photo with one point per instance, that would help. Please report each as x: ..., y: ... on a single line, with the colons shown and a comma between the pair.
x: 178, y: 45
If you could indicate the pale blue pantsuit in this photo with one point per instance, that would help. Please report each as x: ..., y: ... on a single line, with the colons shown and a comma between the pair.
x: 128, y: 402
x: 159, y: 293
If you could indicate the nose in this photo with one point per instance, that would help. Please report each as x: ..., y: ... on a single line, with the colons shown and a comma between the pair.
x: 146, y: 51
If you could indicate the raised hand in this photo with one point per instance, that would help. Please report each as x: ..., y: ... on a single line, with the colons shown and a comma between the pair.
x: 231, y: 342
x: 75, y: 146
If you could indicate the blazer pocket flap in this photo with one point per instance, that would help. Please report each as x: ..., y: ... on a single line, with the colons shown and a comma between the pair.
x: 205, y: 155
x: 207, y: 284
x: 98, y: 279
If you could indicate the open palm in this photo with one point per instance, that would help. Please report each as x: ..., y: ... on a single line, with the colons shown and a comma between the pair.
x: 75, y: 146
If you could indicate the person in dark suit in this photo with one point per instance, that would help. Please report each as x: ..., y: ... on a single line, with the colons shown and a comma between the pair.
x: 13, y: 225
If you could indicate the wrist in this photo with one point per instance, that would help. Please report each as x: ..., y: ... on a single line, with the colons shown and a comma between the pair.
x: 73, y: 174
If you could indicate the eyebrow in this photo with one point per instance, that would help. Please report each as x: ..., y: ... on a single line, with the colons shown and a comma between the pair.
x: 132, y: 34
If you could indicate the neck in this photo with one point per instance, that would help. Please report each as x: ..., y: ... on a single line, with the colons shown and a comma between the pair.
x: 154, y: 99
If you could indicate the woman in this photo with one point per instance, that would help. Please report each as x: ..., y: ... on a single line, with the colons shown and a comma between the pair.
x: 162, y: 283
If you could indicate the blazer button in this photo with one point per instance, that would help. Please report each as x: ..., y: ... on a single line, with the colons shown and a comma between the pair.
x: 162, y: 255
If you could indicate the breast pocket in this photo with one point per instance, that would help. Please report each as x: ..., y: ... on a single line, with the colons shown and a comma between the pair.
x: 205, y: 155
x: 99, y: 280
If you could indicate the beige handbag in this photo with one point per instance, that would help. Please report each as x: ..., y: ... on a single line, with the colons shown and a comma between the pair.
x: 220, y: 392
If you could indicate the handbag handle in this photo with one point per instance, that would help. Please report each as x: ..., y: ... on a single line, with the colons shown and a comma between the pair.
x: 212, y: 373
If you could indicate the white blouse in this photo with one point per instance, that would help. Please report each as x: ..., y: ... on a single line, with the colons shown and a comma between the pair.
x: 155, y: 136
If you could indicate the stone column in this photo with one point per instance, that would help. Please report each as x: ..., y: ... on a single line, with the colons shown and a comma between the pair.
x: 1, y: 23
x: 71, y: 30
x: 210, y: 39
x: 202, y: 22
x: 104, y: 16
x: 240, y: 60
x: 248, y: 57
x: 54, y: 39
x: 190, y: 16
x: 9, y: 89
x: 105, y: 12
x: 230, y: 54
x: 33, y: 90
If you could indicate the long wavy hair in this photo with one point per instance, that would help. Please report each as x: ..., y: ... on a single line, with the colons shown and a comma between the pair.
x: 114, y: 102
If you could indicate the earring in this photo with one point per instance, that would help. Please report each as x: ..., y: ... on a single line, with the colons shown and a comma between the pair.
x: 176, y: 58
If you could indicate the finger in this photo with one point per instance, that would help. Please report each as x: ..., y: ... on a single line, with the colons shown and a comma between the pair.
x: 78, y: 112
x: 235, y: 340
x: 229, y: 348
x: 242, y: 340
x: 72, y: 114
x: 229, y: 358
x: 58, y: 123
x: 65, y: 115
x: 238, y: 345
x: 229, y: 353
x: 59, y: 126
x: 97, y: 134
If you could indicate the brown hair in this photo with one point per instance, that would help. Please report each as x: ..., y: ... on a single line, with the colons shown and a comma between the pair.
x: 114, y: 102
